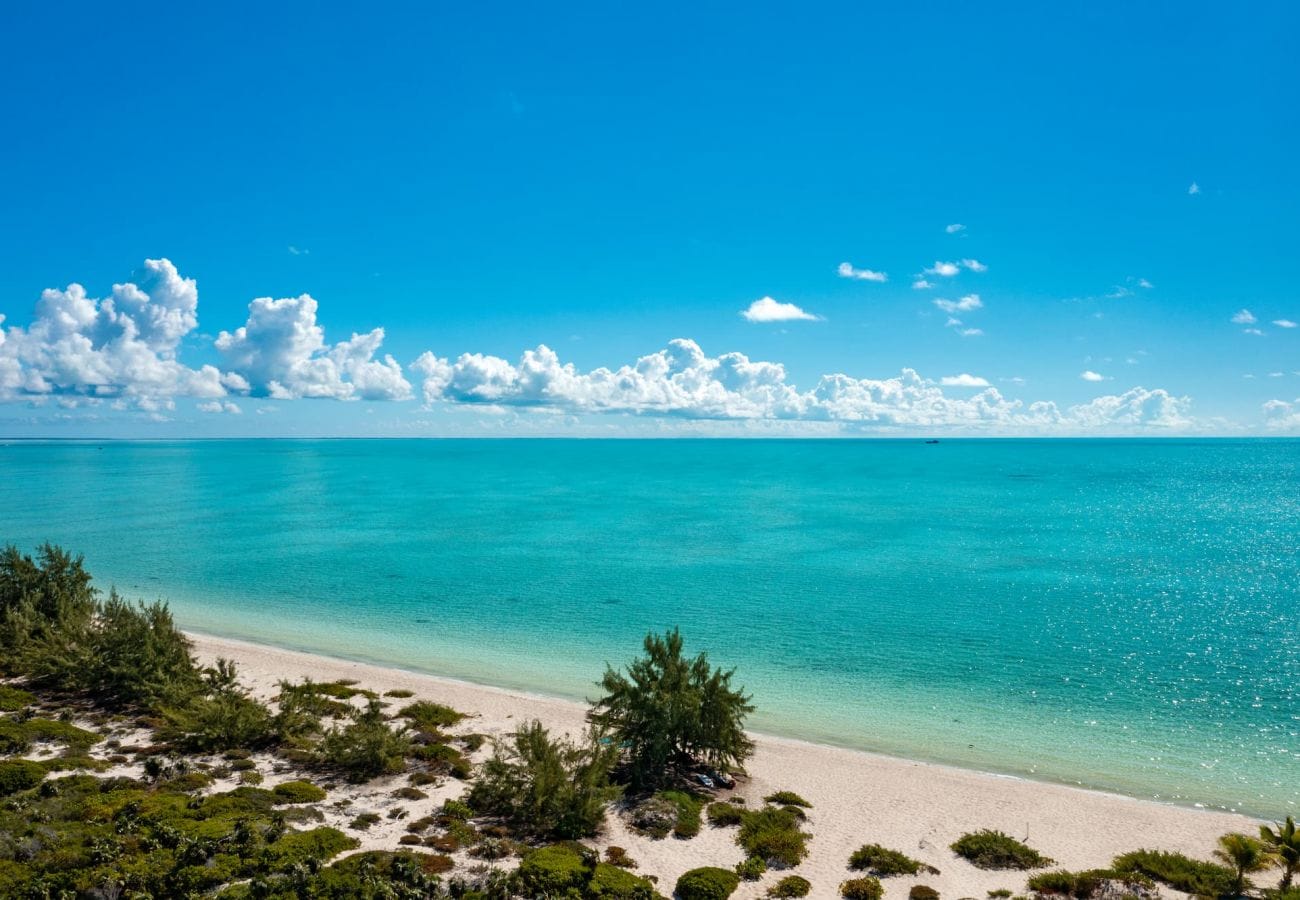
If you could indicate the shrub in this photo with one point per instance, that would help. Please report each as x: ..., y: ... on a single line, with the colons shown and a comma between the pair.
x: 866, y: 888
x: 1182, y: 873
x: 19, y: 775
x: 787, y: 798
x: 707, y: 883
x: 367, y: 747
x: 428, y: 716
x: 922, y: 892
x: 364, y: 821
x: 225, y: 717
x: 617, y: 856
x: 422, y: 779
x: 298, y: 792
x: 655, y: 816
x: 881, y: 861
x: 544, y: 786
x: 751, y: 868
x: 456, y: 809
x: 409, y: 793
x: 410, y: 840
x: 723, y: 814
x: 13, y: 699
x: 1090, y: 883
x: 300, y: 846
x: 773, y: 834
x: 791, y: 886
x: 553, y: 871
x: 687, y: 824
x: 994, y: 850
x: 612, y: 882
x: 399, y: 693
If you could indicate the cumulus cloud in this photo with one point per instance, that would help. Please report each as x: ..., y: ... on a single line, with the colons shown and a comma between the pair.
x: 1281, y: 415
x: 1193, y: 189
x: 1089, y: 375
x: 955, y: 228
x: 974, y: 265
x: 946, y: 269
x: 220, y: 406
x: 846, y: 270
x: 1254, y: 331
x: 281, y: 353
x: 968, y: 303
x: 1244, y: 317
x: 768, y: 310
x: 963, y: 380
x: 681, y: 380
x: 122, y: 348
x: 1285, y: 323
x: 1144, y: 283
x: 921, y: 284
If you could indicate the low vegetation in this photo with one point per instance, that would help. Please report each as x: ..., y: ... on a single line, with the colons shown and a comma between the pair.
x: 994, y: 850
x: 882, y: 862
x: 1182, y: 873
x: 791, y: 886
x: 865, y: 888
x: 707, y: 883
x: 1091, y: 883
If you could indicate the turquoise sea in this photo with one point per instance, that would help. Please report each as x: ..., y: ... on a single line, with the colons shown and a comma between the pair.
x: 1118, y: 614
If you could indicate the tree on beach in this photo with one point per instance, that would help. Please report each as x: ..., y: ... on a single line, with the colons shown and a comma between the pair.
x: 1283, y: 842
x: 1243, y: 854
x: 670, y: 712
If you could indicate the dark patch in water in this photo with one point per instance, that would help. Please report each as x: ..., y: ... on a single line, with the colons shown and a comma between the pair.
x: 610, y: 601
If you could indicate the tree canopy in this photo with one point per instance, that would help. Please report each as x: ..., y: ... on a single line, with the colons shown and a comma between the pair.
x: 670, y: 712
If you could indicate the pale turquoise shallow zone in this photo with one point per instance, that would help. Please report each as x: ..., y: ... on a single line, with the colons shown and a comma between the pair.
x: 1117, y: 614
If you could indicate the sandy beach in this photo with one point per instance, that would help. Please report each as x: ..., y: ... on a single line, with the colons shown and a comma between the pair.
x: 856, y: 797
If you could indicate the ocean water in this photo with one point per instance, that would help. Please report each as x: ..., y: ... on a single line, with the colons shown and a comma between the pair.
x: 1116, y: 614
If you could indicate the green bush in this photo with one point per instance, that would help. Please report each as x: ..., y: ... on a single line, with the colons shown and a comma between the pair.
x: 866, y: 888
x: 922, y: 892
x: 399, y: 693
x: 428, y: 716
x: 13, y: 699
x: 773, y: 835
x: 297, y: 792
x: 611, y: 882
x: 723, y: 814
x: 553, y: 871
x: 791, y: 886
x: 17, y: 737
x: 546, y: 787
x: 1182, y: 873
x: 688, y: 812
x: 787, y: 798
x: 994, y: 850
x: 751, y: 868
x: 707, y: 883
x: 366, y: 747
x: 19, y: 775
x: 1082, y: 885
x: 881, y: 861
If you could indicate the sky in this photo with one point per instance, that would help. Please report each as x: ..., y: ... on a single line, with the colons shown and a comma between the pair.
x: 649, y: 220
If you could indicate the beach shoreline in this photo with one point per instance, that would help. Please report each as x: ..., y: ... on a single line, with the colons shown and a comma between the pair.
x: 858, y: 797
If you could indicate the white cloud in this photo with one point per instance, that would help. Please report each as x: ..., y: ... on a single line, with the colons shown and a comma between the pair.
x: 955, y: 228
x: 974, y: 265
x: 1193, y: 189
x: 1276, y: 374
x: 971, y: 332
x: 946, y: 269
x: 1089, y: 375
x: 963, y: 380
x: 682, y: 381
x: 846, y: 270
x: 1244, y: 317
x: 1280, y: 415
x: 769, y: 310
x: 121, y: 348
x: 1285, y: 323
x: 921, y: 285
x: 966, y: 304
x: 1144, y: 283
x: 299, y: 251
x: 1254, y: 331
x: 281, y: 352
x: 220, y: 406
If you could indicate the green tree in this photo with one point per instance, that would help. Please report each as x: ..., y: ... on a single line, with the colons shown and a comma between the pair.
x: 1243, y: 854
x: 1283, y: 842
x: 670, y: 712
x: 548, y: 787
x: 366, y: 747
x: 47, y: 606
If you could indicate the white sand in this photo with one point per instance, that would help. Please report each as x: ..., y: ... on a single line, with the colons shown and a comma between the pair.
x: 857, y: 798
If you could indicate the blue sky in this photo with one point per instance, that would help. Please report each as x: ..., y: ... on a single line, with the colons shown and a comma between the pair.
x: 605, y: 180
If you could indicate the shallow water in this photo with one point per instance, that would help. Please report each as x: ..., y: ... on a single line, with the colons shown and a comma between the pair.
x: 1118, y: 614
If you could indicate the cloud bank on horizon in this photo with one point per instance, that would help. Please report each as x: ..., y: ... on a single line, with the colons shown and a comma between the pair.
x: 123, y: 351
